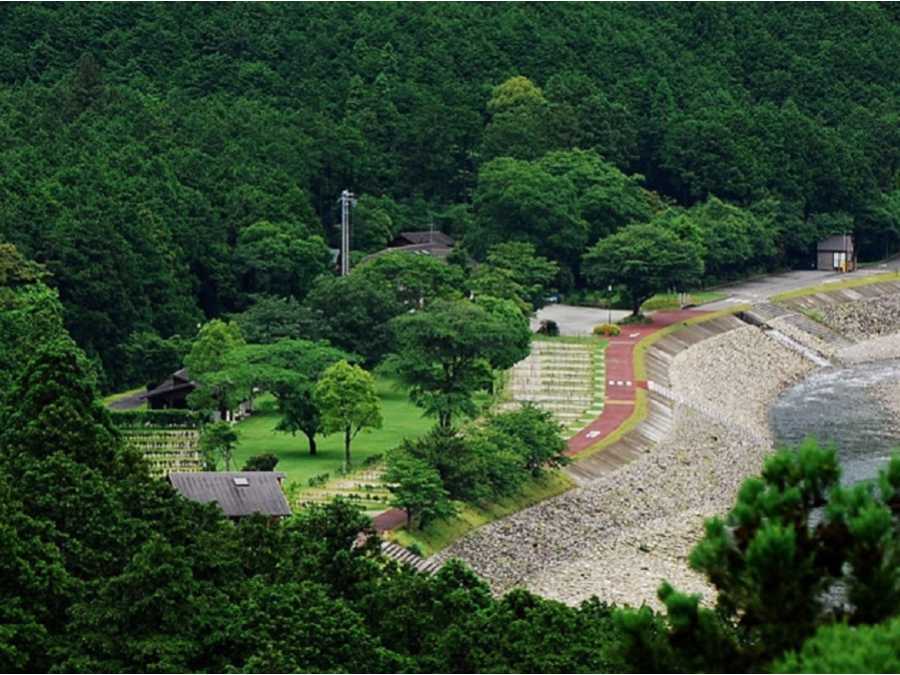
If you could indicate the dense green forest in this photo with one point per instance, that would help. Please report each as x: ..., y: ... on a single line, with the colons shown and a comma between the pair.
x: 154, y: 156
x: 168, y: 196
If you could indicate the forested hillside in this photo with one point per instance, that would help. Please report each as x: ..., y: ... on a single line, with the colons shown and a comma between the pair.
x: 155, y: 157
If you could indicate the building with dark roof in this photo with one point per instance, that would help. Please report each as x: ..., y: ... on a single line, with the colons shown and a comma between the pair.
x: 172, y: 392
x: 436, y: 244
x: 238, y: 493
x: 434, y: 237
x: 836, y: 253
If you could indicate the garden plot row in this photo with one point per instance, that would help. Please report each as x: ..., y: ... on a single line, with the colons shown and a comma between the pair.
x: 166, y: 450
x: 364, y: 488
x: 567, y: 379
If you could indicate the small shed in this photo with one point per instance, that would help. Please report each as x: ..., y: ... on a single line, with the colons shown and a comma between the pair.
x: 238, y: 493
x: 836, y: 253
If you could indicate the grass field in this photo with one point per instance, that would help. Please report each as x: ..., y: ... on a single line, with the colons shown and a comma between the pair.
x: 257, y: 435
x: 443, y: 533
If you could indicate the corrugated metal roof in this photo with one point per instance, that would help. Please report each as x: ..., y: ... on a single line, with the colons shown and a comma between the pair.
x: 261, y: 494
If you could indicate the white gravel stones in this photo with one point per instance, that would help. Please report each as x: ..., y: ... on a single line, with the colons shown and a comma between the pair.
x: 738, y: 374
x: 865, y: 319
x: 620, y: 535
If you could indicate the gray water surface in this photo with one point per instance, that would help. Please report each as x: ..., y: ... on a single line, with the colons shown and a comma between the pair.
x: 835, y: 406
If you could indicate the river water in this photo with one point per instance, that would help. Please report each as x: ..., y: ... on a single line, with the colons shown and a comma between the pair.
x: 835, y: 405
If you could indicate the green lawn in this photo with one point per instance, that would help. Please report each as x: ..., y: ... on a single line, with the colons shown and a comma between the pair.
x: 257, y: 435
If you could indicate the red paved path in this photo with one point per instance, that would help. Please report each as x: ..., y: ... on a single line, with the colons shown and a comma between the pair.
x: 619, y: 400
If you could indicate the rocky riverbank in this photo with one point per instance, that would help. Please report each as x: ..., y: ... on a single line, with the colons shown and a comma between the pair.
x: 619, y: 536
x: 864, y: 319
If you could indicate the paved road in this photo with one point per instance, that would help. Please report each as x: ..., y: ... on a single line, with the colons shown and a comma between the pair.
x: 763, y: 288
x: 574, y: 320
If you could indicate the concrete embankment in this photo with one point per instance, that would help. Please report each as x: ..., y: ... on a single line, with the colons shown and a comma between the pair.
x: 853, y: 325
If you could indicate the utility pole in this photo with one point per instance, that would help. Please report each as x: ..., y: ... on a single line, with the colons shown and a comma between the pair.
x: 348, y: 200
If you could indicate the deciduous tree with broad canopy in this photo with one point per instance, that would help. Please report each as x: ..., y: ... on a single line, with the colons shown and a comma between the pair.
x: 416, y: 488
x: 205, y: 363
x: 514, y: 271
x: 641, y: 261
x: 448, y: 352
x: 289, y: 369
x: 347, y: 402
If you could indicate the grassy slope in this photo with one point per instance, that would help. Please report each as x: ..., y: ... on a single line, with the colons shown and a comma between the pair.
x: 440, y: 535
x: 257, y: 435
x: 671, y: 300
x: 112, y: 398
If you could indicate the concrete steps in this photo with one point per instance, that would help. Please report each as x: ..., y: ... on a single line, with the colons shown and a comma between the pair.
x: 566, y: 379
x: 407, y: 557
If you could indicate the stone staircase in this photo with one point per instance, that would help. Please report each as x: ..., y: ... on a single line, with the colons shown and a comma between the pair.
x: 407, y: 557
x: 564, y: 378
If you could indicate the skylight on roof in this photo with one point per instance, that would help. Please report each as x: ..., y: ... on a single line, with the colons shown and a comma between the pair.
x: 241, y: 481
